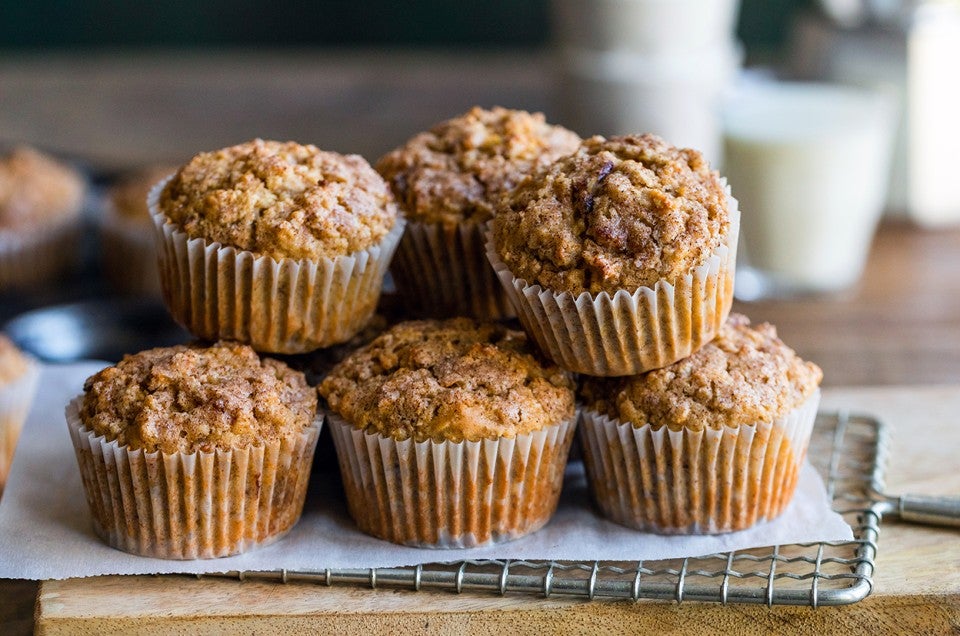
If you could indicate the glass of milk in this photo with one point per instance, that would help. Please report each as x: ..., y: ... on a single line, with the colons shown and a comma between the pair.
x: 809, y: 164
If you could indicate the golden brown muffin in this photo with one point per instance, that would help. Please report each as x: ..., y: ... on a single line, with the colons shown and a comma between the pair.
x: 457, y: 171
x: 619, y: 213
x: 464, y: 415
x: 281, y: 200
x: 194, y: 452
x: 187, y: 399
x: 37, y: 191
x: 746, y: 374
x: 713, y: 443
x: 454, y: 380
x: 18, y: 382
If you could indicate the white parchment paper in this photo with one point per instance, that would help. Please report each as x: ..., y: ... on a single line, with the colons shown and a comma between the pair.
x: 46, y: 533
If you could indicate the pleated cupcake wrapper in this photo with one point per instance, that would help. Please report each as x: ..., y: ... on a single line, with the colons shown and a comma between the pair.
x: 695, y: 482
x: 129, y: 254
x: 16, y: 398
x: 37, y: 256
x: 279, y: 306
x: 628, y: 333
x: 451, y: 494
x: 192, y: 505
x: 442, y: 271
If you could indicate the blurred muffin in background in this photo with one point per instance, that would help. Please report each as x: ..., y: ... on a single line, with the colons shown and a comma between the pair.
x: 40, y: 204
x: 128, y: 247
x: 448, y: 181
x: 18, y: 383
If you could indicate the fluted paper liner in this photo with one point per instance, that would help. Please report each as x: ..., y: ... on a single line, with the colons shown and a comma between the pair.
x: 451, y: 494
x: 16, y: 398
x: 695, y: 482
x: 441, y: 271
x: 277, y: 306
x: 129, y: 254
x: 192, y: 505
x: 628, y: 333
x: 37, y: 256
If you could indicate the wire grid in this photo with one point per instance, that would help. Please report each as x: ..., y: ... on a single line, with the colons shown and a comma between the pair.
x: 850, y: 450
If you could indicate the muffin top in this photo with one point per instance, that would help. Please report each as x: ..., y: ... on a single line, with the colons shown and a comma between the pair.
x: 454, y: 380
x: 457, y: 171
x: 193, y: 398
x: 36, y: 190
x: 281, y: 200
x: 129, y: 196
x: 745, y: 375
x: 13, y: 364
x: 619, y: 213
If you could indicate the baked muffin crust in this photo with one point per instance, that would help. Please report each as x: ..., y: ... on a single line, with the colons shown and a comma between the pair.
x: 281, y: 199
x: 13, y: 364
x: 193, y: 398
x: 619, y: 213
x: 36, y: 190
x: 745, y: 375
x: 453, y: 380
x: 457, y: 171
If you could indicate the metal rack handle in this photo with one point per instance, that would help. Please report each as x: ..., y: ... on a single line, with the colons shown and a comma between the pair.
x: 937, y: 511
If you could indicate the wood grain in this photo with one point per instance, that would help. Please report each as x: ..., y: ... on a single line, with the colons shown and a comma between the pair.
x: 917, y: 582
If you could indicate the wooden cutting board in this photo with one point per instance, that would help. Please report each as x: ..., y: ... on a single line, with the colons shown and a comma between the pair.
x: 917, y: 581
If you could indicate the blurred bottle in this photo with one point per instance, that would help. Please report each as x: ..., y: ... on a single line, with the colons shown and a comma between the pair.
x: 661, y: 66
x: 912, y: 48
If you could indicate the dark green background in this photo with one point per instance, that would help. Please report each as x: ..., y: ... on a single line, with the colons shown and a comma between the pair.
x: 28, y: 24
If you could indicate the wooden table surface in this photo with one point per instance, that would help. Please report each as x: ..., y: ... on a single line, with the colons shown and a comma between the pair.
x: 901, y: 326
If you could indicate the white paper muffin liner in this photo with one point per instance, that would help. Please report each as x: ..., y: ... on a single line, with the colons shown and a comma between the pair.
x: 16, y: 397
x: 628, y: 333
x: 37, y: 256
x: 451, y: 494
x: 277, y: 306
x: 128, y: 253
x: 695, y: 482
x: 441, y: 271
x: 192, y: 505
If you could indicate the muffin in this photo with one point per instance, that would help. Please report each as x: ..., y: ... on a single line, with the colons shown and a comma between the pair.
x: 447, y: 182
x: 710, y: 444
x: 40, y: 205
x: 279, y: 245
x: 619, y: 257
x: 128, y: 244
x: 193, y: 452
x: 18, y: 383
x: 450, y: 433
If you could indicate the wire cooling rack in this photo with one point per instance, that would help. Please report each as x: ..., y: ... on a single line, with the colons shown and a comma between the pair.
x: 849, y: 450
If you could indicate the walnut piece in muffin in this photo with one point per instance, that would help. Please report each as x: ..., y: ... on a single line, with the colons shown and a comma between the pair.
x: 13, y: 364
x: 454, y: 380
x: 619, y: 213
x: 37, y: 191
x: 457, y: 171
x: 196, y: 398
x: 745, y: 375
x: 281, y: 199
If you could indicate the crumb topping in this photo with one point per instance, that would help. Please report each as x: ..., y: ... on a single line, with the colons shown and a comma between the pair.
x: 454, y: 380
x: 194, y: 398
x: 619, y: 213
x: 281, y: 199
x: 458, y: 170
x: 36, y: 190
x: 745, y: 375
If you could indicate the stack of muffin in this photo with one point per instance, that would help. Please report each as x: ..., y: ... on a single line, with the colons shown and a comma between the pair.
x: 617, y: 256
